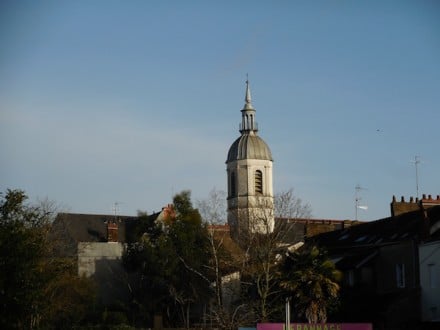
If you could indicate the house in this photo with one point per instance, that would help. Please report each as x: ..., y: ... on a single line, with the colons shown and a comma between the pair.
x: 96, y: 243
x: 389, y: 265
x: 299, y: 229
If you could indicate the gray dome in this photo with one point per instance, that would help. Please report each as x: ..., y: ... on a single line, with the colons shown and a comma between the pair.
x: 249, y: 146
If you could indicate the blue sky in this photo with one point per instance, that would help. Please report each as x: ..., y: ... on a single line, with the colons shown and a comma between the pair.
x: 134, y: 101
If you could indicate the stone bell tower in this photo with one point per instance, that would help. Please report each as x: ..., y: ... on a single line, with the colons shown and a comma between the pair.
x: 249, y: 174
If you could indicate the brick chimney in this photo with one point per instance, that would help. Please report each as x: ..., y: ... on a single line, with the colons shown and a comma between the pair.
x: 402, y: 206
x: 112, y: 232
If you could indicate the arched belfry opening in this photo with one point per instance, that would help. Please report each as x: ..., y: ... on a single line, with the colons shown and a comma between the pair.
x: 249, y: 171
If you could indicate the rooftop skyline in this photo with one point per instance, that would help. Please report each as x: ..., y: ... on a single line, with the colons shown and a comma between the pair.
x: 132, y: 102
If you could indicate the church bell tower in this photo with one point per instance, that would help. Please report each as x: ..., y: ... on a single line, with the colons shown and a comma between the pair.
x: 249, y: 174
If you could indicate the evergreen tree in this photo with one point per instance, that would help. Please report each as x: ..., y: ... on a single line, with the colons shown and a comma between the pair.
x: 171, y: 257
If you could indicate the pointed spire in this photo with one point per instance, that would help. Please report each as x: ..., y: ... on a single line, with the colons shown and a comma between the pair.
x: 248, y: 100
x: 248, y: 124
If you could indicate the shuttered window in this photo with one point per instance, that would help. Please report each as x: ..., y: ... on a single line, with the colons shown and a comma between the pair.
x: 258, y: 182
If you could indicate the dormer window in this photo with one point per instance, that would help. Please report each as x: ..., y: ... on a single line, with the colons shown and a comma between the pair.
x: 258, y: 182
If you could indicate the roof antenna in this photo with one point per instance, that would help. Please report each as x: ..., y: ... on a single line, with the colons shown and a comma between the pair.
x: 416, y: 163
x: 115, y: 209
x: 357, y: 200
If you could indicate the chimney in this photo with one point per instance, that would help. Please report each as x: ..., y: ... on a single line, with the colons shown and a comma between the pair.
x: 112, y: 232
x: 403, y: 206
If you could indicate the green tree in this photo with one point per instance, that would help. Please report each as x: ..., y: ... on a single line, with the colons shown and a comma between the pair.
x: 311, y: 280
x: 191, y: 247
x: 22, y: 233
x: 171, y: 258
x: 32, y: 280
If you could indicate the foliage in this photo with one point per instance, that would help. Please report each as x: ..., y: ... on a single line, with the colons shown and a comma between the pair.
x: 171, y: 258
x: 311, y: 280
x: 36, y: 288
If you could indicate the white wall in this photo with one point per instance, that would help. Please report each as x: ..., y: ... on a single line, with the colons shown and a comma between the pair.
x: 90, y: 253
x: 429, y: 256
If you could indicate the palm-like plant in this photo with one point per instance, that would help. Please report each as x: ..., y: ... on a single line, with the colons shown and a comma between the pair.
x: 311, y: 279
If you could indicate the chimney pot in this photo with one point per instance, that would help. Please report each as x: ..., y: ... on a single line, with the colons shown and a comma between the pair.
x: 402, y: 199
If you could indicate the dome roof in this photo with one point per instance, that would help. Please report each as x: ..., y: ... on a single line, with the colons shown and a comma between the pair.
x: 249, y: 146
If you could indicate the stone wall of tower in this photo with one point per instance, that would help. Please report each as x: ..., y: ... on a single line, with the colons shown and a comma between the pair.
x: 249, y: 212
x: 245, y: 171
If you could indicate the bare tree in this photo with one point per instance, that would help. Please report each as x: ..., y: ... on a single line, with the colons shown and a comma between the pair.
x: 264, y: 244
x: 263, y: 248
x: 213, y: 212
x: 256, y: 260
x: 287, y: 205
x: 213, y: 209
x: 228, y: 309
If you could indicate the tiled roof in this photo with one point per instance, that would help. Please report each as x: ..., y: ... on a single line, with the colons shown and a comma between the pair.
x: 72, y: 228
x: 410, y: 225
x: 299, y: 229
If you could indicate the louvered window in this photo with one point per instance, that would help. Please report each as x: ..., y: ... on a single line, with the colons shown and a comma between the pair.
x: 258, y: 182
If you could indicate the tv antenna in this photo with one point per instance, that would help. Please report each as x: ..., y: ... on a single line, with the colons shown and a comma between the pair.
x: 357, y: 200
x: 115, y: 208
x: 416, y: 163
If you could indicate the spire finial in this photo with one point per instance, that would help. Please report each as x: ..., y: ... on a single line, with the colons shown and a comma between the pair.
x: 248, y: 99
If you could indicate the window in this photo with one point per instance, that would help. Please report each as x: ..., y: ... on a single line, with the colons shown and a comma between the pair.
x: 258, y: 182
x: 233, y: 184
x: 432, y: 276
x: 400, y: 275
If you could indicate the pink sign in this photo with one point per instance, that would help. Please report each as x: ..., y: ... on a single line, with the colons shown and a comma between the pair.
x: 319, y: 326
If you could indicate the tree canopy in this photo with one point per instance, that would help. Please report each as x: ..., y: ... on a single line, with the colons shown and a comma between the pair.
x: 171, y: 258
x: 312, y: 281
x: 37, y: 289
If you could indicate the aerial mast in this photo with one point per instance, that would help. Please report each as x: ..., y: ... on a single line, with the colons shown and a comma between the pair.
x: 357, y: 200
x: 416, y: 163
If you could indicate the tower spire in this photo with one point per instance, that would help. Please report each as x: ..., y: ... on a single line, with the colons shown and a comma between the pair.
x: 248, y: 124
